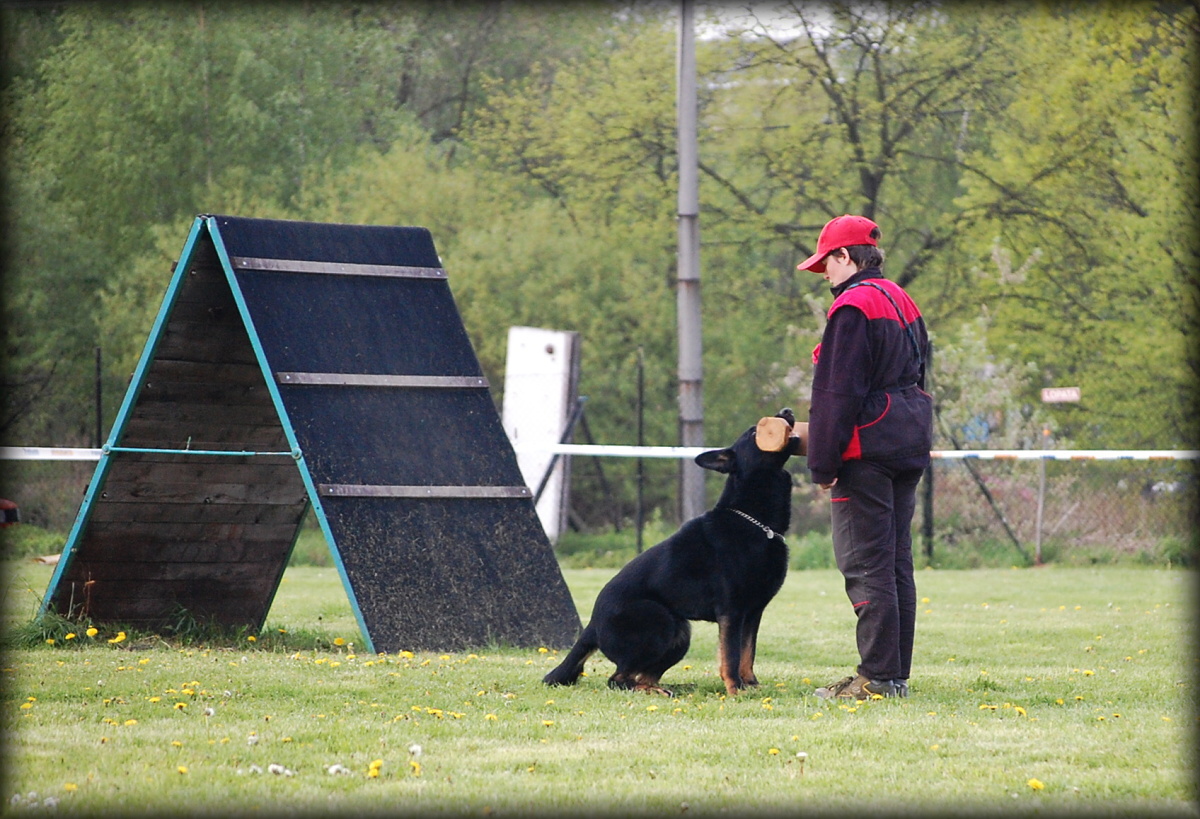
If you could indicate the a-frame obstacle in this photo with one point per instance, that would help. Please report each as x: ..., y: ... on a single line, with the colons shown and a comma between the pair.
x: 296, y: 364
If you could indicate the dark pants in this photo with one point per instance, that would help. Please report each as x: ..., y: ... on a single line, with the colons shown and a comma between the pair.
x: 872, y: 512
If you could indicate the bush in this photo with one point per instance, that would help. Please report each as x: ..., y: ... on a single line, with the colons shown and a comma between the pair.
x: 25, y: 541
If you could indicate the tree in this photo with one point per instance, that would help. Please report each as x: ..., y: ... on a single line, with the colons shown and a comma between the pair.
x: 1092, y: 166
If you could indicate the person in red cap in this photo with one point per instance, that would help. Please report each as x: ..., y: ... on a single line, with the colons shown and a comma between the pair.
x: 870, y: 430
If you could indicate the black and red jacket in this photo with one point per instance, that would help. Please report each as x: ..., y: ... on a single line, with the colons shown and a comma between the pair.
x: 868, y: 394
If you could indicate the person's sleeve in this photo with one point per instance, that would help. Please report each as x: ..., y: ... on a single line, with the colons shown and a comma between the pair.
x: 841, y: 380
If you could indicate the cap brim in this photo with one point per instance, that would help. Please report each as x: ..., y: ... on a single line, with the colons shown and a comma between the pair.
x: 814, y: 263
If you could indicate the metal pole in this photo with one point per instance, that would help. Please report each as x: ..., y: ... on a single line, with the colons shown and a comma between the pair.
x: 641, y: 441
x: 1041, y: 505
x: 691, y: 395
x: 99, y: 405
x: 928, y: 515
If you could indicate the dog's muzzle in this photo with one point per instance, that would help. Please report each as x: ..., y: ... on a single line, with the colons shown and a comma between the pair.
x: 773, y: 434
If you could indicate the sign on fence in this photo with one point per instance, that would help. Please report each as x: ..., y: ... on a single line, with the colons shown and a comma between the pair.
x: 1060, y: 395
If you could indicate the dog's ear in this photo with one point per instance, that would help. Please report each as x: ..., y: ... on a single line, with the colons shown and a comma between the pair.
x: 718, y: 460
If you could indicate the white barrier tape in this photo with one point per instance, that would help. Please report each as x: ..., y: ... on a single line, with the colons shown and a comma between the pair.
x: 47, y: 453
x: 944, y: 454
x: 38, y: 453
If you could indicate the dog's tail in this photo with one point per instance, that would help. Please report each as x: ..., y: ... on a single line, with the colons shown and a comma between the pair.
x: 568, y: 671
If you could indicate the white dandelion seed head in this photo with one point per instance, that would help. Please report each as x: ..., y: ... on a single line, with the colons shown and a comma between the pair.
x: 800, y: 755
x: 254, y: 769
x: 208, y: 712
x: 414, y: 749
x: 275, y: 768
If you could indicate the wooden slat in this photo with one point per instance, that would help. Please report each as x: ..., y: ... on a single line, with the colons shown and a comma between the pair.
x: 186, y: 533
x: 196, y: 342
x: 136, y: 491
x: 220, y: 574
x: 142, y: 432
x: 164, y: 390
x: 174, y: 369
x: 235, y: 608
x: 147, y: 467
x: 155, y: 513
x: 182, y: 413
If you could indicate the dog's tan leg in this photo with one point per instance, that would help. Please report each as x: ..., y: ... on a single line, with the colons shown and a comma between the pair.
x: 728, y: 655
x: 749, y: 647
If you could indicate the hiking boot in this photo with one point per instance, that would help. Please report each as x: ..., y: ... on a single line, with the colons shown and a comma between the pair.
x: 901, y: 687
x: 859, y: 687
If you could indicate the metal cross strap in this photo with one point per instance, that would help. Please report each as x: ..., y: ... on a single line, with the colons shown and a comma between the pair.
x: 771, y: 533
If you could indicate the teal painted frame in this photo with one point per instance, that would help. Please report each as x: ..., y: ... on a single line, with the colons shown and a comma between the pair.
x: 314, y: 497
x: 201, y: 226
x: 131, y: 395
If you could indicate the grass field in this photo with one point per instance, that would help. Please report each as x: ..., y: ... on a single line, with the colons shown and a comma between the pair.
x: 1047, y: 691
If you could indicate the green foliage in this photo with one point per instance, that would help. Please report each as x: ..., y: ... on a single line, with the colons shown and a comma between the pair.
x: 1033, y: 168
x: 28, y: 541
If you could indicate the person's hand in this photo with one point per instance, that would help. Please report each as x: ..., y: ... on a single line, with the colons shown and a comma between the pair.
x: 829, y: 485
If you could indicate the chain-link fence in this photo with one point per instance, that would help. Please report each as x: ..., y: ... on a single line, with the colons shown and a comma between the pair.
x: 974, y: 511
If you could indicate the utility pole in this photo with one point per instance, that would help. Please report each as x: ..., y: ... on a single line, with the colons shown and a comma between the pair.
x: 691, y: 392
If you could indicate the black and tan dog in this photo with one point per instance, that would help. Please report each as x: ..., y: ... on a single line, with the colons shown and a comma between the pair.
x: 723, y: 566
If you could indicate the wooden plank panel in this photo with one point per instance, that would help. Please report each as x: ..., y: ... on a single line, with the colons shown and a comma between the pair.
x: 164, y: 390
x: 145, y: 432
x: 152, y: 513
x: 130, y: 466
x: 138, y: 491
x: 186, y: 412
x: 198, y: 342
x: 241, y: 608
x: 174, y: 369
x: 118, y: 535
x: 221, y: 575
x: 117, y: 548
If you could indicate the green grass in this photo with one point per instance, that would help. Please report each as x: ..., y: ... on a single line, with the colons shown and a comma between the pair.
x: 1081, y: 679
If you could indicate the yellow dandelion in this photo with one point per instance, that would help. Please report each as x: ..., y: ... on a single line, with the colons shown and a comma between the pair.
x: 131, y: 722
x: 1036, y: 784
x: 773, y: 751
x: 252, y: 639
x: 547, y: 722
x: 49, y: 641
x: 338, y: 641
x: 70, y: 635
x: 70, y: 787
x: 119, y: 638
x: 182, y: 769
x: 416, y: 767
x: 491, y: 717
x: 179, y: 706
x: 92, y: 632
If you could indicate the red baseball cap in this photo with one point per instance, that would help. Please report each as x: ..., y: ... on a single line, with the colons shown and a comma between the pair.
x: 840, y: 232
